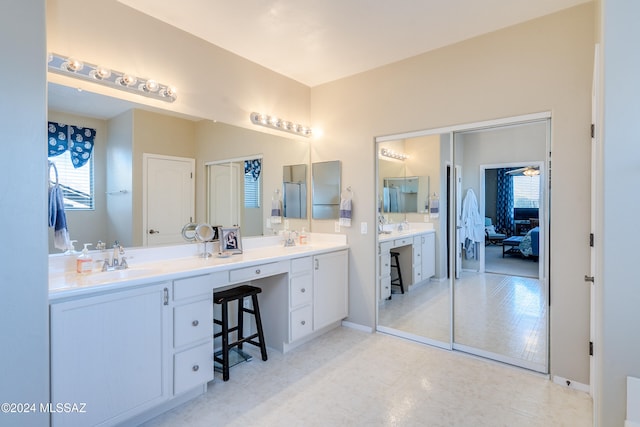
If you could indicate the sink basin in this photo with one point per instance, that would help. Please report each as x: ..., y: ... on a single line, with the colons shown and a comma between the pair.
x: 128, y: 273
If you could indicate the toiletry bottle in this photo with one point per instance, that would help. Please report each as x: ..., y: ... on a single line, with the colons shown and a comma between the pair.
x: 303, y: 237
x: 84, y: 263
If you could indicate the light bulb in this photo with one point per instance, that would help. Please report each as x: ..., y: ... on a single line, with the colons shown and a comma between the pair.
x: 127, y: 80
x: 73, y: 65
x: 101, y: 73
x: 151, y: 86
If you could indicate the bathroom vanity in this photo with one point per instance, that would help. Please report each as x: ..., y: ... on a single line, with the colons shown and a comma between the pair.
x: 416, y: 246
x: 133, y: 343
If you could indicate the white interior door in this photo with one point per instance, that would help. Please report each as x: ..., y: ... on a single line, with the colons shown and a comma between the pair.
x: 224, y: 191
x: 169, y: 194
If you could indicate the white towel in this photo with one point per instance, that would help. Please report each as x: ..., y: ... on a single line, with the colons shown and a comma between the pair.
x: 345, y: 212
x: 276, y: 211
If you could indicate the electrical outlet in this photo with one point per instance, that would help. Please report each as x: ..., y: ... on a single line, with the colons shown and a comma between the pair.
x: 336, y: 227
x: 363, y: 228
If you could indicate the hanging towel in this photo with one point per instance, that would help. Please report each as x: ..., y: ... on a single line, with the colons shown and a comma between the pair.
x: 345, y: 212
x: 276, y: 211
x: 58, y: 218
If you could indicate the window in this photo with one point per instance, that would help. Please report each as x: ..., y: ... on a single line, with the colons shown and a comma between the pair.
x: 76, y: 184
x: 70, y: 151
x: 526, y: 191
x: 252, y: 175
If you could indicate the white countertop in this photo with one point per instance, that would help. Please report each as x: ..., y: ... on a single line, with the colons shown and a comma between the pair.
x: 149, y: 265
x: 414, y: 229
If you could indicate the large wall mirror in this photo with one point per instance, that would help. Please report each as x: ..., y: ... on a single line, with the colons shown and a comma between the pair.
x: 126, y: 131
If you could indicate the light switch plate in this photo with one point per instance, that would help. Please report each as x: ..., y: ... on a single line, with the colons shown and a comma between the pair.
x: 363, y: 228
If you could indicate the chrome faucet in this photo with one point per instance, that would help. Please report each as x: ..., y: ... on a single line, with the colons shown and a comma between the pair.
x: 290, y: 241
x: 117, y: 263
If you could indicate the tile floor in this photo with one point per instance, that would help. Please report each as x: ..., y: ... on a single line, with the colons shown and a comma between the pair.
x: 352, y: 378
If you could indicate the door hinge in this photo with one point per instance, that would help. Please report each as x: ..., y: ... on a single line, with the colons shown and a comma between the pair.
x: 589, y: 279
x: 590, y: 348
x: 191, y: 173
x: 591, y: 239
x: 593, y: 130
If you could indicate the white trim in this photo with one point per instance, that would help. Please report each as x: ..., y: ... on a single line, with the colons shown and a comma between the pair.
x: 468, y: 126
x: 237, y: 159
x: 413, y: 337
x: 357, y: 326
x: 571, y: 384
x: 520, y: 363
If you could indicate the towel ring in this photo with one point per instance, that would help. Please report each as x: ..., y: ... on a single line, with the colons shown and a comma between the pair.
x: 347, y: 193
x: 55, y: 169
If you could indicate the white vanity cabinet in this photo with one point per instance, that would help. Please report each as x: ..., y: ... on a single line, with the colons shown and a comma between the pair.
x: 193, y: 330
x: 300, y: 298
x: 110, y: 352
x: 330, y: 288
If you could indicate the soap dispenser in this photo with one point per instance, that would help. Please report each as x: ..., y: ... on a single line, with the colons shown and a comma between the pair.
x: 84, y: 263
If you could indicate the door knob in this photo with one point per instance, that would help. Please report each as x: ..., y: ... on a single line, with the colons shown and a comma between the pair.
x: 152, y: 231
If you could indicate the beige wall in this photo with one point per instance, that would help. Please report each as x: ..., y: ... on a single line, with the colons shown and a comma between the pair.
x: 156, y: 134
x: 541, y: 65
x: 212, y: 83
x: 218, y: 141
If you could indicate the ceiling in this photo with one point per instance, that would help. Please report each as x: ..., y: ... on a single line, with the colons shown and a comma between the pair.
x: 318, y: 41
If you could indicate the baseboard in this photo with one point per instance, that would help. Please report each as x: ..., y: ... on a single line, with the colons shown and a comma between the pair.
x: 571, y: 384
x: 628, y: 423
x: 357, y: 326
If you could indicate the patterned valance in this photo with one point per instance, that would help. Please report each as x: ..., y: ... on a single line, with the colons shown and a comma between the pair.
x: 78, y: 140
x: 254, y: 167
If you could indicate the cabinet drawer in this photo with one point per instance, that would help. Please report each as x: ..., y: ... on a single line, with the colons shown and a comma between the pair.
x: 403, y: 242
x: 385, y: 246
x: 198, y: 285
x: 192, y: 368
x: 301, y: 322
x: 385, y: 287
x: 300, y: 265
x: 417, y: 274
x: 301, y: 290
x: 258, y: 271
x: 193, y: 322
x: 385, y: 264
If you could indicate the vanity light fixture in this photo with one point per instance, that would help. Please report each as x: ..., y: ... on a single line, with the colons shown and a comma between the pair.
x: 274, y: 122
x: 393, y: 154
x: 115, y: 79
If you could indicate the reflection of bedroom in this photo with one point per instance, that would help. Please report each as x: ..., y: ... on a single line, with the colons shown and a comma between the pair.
x: 512, y: 238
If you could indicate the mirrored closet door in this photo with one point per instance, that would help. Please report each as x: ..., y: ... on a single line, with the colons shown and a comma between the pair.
x: 488, y: 294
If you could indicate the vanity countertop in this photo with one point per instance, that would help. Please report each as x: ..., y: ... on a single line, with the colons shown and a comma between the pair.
x: 410, y: 232
x: 148, y: 265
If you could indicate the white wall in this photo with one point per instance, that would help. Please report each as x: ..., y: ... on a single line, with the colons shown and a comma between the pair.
x: 24, y: 330
x: 617, y: 345
x: 541, y: 65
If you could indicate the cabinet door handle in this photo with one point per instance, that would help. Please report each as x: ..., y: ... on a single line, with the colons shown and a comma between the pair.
x: 317, y: 264
x: 195, y: 323
x: 303, y: 290
x: 195, y: 368
x: 303, y: 323
x: 166, y: 296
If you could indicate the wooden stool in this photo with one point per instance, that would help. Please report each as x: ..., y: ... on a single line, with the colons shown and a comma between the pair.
x: 395, y: 263
x: 224, y: 297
